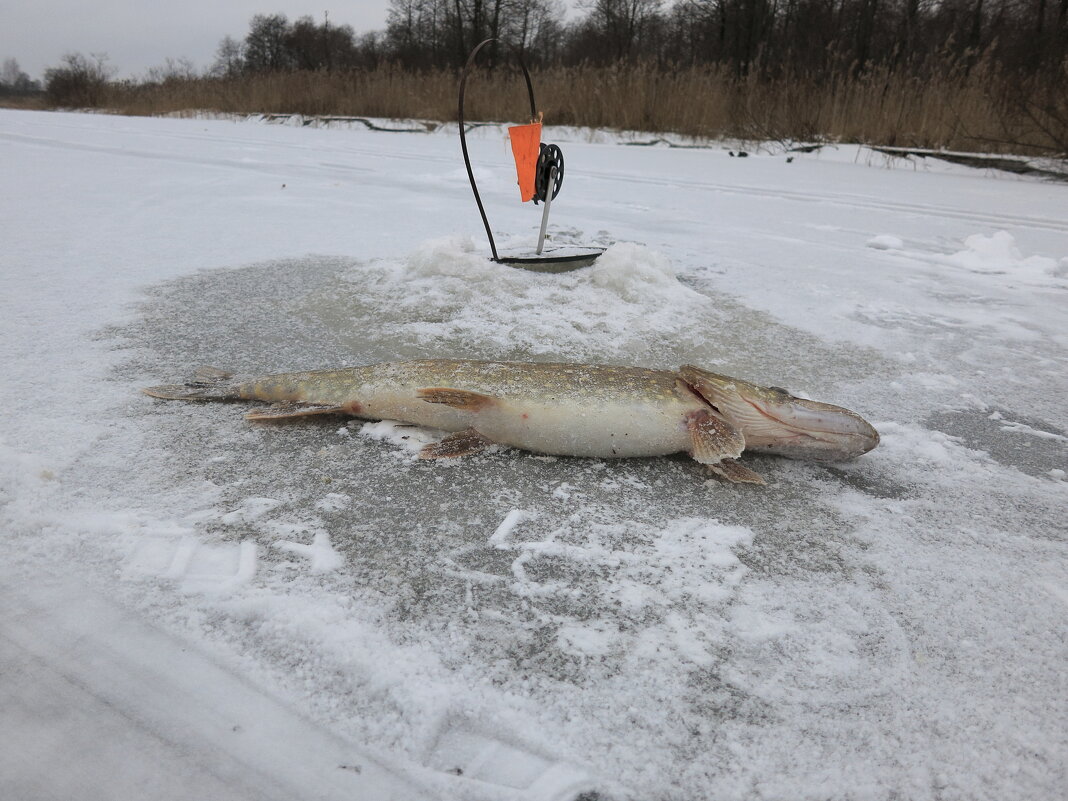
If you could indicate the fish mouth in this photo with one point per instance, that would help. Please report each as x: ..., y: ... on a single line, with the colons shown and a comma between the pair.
x: 774, y: 421
x: 812, y: 430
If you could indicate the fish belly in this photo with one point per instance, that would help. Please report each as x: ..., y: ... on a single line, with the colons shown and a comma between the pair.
x: 611, y: 418
x: 561, y: 429
x: 603, y: 432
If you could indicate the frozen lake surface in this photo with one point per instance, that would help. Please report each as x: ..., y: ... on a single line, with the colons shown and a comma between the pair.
x: 193, y: 604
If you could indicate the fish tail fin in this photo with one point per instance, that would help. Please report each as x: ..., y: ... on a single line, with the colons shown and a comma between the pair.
x: 207, y: 383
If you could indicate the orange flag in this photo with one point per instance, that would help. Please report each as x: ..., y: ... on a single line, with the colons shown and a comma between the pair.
x: 526, y: 141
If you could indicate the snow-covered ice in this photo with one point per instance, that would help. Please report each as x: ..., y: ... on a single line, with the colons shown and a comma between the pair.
x: 192, y: 604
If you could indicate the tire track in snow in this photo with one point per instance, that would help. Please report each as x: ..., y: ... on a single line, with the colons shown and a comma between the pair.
x: 842, y: 199
x: 833, y: 198
x: 383, y: 153
x: 255, y: 166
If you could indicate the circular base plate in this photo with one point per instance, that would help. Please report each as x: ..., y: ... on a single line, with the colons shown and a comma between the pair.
x: 557, y: 260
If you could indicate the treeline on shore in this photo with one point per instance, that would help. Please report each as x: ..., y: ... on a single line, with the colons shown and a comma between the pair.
x: 960, y: 74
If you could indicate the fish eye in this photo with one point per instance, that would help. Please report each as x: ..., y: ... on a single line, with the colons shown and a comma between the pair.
x: 782, y: 391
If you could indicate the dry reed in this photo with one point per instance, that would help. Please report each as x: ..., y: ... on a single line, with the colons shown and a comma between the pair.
x: 951, y: 108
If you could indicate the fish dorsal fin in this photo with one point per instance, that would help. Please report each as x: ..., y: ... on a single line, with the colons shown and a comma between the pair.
x: 282, y: 411
x: 712, y: 438
x: 736, y: 473
x: 462, y: 399
x: 462, y: 443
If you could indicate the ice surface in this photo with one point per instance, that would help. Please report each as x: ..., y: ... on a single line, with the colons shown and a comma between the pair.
x: 890, y: 627
x: 97, y: 704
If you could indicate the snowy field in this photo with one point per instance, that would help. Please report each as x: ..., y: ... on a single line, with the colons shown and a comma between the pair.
x: 193, y: 606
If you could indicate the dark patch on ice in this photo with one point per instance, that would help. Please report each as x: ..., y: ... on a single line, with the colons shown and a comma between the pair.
x: 872, y: 484
x: 718, y: 699
x: 992, y: 431
x: 414, y: 535
x: 752, y: 344
x: 800, y: 629
x: 490, y: 561
x: 244, y: 319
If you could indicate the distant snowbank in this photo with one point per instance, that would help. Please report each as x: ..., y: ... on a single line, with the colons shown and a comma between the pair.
x: 997, y: 256
x: 874, y: 155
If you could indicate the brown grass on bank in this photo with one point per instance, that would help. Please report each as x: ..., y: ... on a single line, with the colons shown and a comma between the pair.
x: 952, y: 108
x: 35, y: 102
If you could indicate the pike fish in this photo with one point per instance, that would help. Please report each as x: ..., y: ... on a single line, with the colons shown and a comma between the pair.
x: 561, y: 409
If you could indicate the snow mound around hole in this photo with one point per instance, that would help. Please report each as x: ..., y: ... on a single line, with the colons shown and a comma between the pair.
x: 449, y: 299
x: 886, y: 242
x: 998, y: 254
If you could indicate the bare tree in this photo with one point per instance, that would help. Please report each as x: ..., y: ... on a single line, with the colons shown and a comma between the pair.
x: 229, y: 58
x: 14, y: 81
x: 535, y: 28
x: 320, y: 47
x: 620, y: 24
x: 265, y: 44
x: 80, y: 81
x: 172, y: 69
x: 10, y: 73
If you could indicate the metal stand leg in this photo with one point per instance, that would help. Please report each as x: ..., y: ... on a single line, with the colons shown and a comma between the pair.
x: 545, y: 211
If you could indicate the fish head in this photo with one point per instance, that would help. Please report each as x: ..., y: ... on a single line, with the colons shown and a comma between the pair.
x: 774, y: 421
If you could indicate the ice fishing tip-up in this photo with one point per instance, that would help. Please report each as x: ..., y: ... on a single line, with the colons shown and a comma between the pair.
x: 540, y: 173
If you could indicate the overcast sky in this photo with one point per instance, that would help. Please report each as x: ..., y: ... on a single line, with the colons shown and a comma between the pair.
x: 138, y: 34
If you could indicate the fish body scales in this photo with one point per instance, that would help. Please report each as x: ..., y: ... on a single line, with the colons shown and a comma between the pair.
x: 550, y: 408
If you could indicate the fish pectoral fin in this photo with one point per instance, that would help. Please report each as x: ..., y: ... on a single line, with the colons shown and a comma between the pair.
x: 716, y: 443
x: 283, y: 411
x: 736, y: 473
x: 712, y: 438
x: 462, y: 443
x: 462, y: 399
